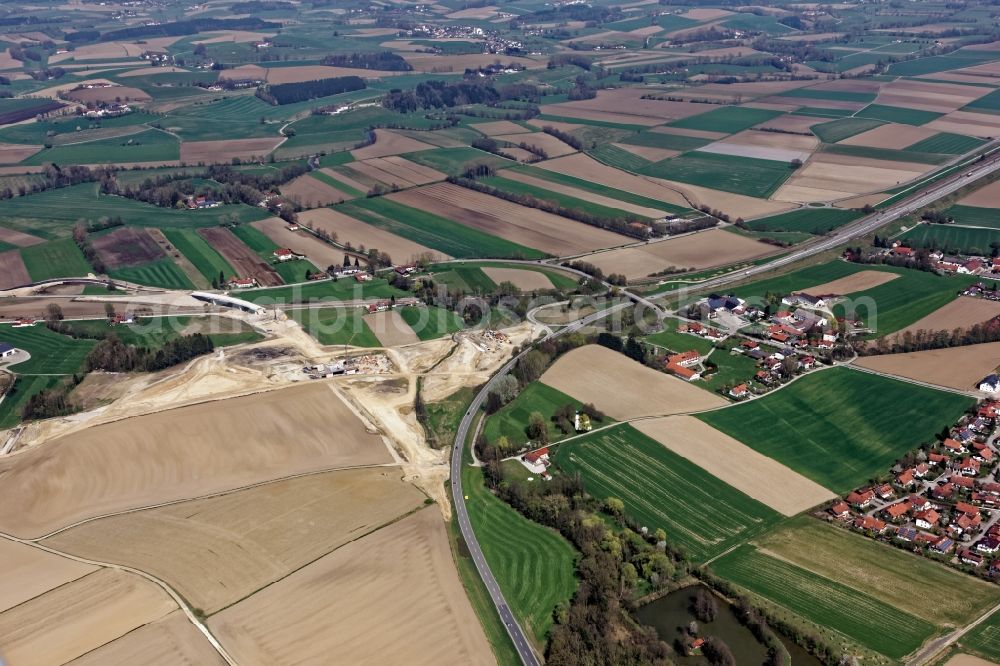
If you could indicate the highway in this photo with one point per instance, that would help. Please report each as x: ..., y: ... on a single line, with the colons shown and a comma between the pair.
x: 859, y: 228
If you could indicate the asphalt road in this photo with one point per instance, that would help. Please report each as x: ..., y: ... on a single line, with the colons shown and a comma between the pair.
x: 842, y: 235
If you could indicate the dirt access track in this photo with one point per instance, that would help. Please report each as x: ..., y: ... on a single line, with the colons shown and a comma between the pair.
x: 181, y: 453
x: 609, y: 379
x: 241, y: 257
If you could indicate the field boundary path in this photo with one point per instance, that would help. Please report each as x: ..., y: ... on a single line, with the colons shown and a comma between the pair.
x: 934, y: 649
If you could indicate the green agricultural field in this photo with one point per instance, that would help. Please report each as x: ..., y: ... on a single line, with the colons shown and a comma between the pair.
x: 840, y: 427
x: 51, y: 353
x: 894, y: 576
x: 160, y: 273
x: 197, y: 250
x: 730, y: 119
x: 598, y: 188
x: 984, y: 639
x: 746, y: 175
x: 149, y: 146
x: 51, y: 128
x: 434, y: 232
x: 563, y: 200
x: 431, y: 323
x: 855, y: 614
x: 953, y: 238
x: 60, y: 258
x: 809, y: 220
x: 512, y: 419
x: 835, y: 95
x: 52, y: 214
x: 667, y: 141
x: 947, y: 144
x: 336, y: 184
x: 897, y: 114
x: 889, y: 154
x: 154, y: 332
x: 988, y: 103
x: 932, y: 64
x: 24, y: 387
x: 822, y: 113
x: 663, y: 490
x: 470, y: 279
x: 533, y: 565
x: 838, y: 130
x: 336, y: 326
x: 975, y: 216
x: 618, y: 158
x: 323, y: 290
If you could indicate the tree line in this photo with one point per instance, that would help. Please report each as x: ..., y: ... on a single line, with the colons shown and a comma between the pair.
x: 923, y: 339
x: 302, y: 91
x: 383, y: 60
x: 113, y: 355
x: 188, y: 27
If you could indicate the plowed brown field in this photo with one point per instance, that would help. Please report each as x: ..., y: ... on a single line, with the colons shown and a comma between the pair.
x: 609, y: 380
x: 242, y: 258
x: 955, y: 367
x: 556, y: 235
x: 224, y: 548
x: 357, y: 233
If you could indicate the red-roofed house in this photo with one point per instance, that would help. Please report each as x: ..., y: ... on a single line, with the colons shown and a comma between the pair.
x: 739, y: 391
x: 680, y: 365
x: 840, y: 510
x: 283, y: 254
x: 537, y: 455
x: 867, y: 523
x: 898, y: 510
x: 861, y: 498
x: 927, y: 519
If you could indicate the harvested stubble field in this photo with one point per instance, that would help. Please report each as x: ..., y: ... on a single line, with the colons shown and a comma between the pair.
x: 927, y: 96
x: 169, y: 641
x: 663, y: 490
x: 242, y: 258
x: 608, y: 379
x: 587, y: 168
x: 582, y: 195
x: 18, y: 238
x: 552, y: 146
x: 319, y: 252
x: 853, y: 283
x: 985, y: 197
x: 31, y: 572
x: 390, y: 328
x: 357, y: 233
x: 959, y: 368
x: 962, y: 312
x: 310, y: 192
x: 982, y: 125
x: 707, y: 249
x: 12, y: 154
x: 838, y: 426
x: 73, y: 619
x: 762, y: 478
x: 393, y: 595
x: 223, y: 549
x: 522, y: 279
x: 891, y: 136
x: 412, y: 172
x: 108, y: 95
x: 828, y: 177
x: 499, y: 127
x: 537, y: 229
x: 389, y: 143
x: 127, y: 246
x: 181, y: 453
x: 223, y: 152
x: 627, y: 106
x: 13, y: 272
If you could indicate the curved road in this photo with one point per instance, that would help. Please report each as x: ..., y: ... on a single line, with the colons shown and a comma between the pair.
x: 845, y: 233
